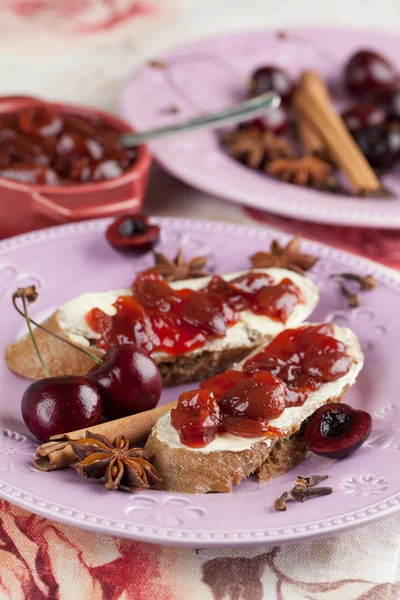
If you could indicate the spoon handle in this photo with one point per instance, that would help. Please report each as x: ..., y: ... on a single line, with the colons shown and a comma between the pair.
x: 227, y: 116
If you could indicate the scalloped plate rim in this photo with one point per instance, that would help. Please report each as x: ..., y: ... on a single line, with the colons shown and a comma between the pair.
x: 169, y: 535
x: 272, y: 199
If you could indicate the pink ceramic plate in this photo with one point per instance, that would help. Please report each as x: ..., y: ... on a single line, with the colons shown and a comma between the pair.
x: 211, y: 73
x: 68, y: 260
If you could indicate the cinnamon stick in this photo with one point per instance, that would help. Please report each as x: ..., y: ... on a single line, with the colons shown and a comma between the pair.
x: 58, y: 453
x: 314, y: 104
x: 312, y: 142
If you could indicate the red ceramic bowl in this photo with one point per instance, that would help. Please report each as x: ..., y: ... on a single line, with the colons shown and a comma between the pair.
x: 26, y: 207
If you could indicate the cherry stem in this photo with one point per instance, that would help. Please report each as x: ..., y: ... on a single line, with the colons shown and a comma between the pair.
x: 30, y: 322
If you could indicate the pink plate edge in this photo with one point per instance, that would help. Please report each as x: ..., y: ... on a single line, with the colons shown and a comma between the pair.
x: 61, y: 513
x: 233, y: 192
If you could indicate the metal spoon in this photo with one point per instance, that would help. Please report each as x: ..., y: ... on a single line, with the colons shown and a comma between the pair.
x: 227, y: 116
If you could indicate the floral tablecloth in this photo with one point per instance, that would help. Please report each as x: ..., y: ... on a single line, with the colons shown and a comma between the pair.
x: 82, y: 50
x: 44, y: 560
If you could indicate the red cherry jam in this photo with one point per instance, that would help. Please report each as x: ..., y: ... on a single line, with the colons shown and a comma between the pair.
x: 232, y: 402
x: 159, y: 318
x: 304, y: 359
x: 242, y: 403
x: 197, y: 418
x: 39, y: 145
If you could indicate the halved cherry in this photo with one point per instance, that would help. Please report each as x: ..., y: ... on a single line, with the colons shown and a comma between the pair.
x: 251, y: 283
x: 196, y: 418
x: 204, y: 312
x: 261, y: 396
x: 153, y: 292
x: 221, y: 384
x: 327, y: 367
x: 277, y: 301
x: 248, y: 428
x: 336, y: 430
x: 133, y: 233
x: 130, y: 324
x: 39, y: 121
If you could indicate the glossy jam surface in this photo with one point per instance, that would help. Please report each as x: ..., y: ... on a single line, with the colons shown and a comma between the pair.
x: 41, y: 146
x: 232, y: 402
x: 159, y: 318
x: 242, y: 403
x: 304, y: 359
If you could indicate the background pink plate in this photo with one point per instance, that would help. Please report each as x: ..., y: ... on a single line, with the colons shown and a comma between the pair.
x: 68, y: 260
x: 210, y: 74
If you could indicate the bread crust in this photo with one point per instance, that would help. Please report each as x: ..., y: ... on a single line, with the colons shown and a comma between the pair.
x: 186, y: 369
x: 189, y: 472
x: 192, y: 472
x: 62, y: 359
x: 59, y: 358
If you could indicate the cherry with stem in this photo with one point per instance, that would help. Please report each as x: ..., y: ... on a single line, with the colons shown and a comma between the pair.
x: 31, y: 295
x: 55, y: 405
x: 127, y: 378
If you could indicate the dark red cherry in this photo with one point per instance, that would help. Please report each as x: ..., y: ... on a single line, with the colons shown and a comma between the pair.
x: 129, y: 382
x: 389, y: 101
x: 336, y: 430
x: 367, y: 72
x: 270, y: 78
x: 275, y: 120
x: 39, y: 121
x: 59, y: 404
x: 380, y: 145
x: 30, y: 174
x: 133, y: 234
x: 363, y: 115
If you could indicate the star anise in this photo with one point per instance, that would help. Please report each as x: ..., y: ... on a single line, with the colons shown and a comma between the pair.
x: 285, y: 257
x: 308, y: 171
x: 177, y: 269
x: 256, y: 148
x: 121, y: 467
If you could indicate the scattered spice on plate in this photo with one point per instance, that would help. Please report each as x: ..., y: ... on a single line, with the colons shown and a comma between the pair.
x: 365, y: 283
x: 311, y: 481
x: 353, y: 299
x: 121, y: 467
x: 170, y: 110
x: 304, y: 488
x: 280, y: 503
x: 301, y: 493
x: 285, y: 257
x: 158, y: 64
x: 177, y: 269
x: 309, y: 171
x: 256, y: 148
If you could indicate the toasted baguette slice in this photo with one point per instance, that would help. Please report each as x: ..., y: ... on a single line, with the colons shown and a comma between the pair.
x: 217, y: 355
x: 230, y: 459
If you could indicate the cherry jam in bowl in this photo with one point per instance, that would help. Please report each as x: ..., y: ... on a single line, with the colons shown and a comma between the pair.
x: 61, y: 163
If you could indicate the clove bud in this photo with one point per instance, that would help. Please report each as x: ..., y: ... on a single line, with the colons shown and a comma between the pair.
x: 311, y: 481
x: 353, y: 300
x: 302, y: 493
x: 280, y: 503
